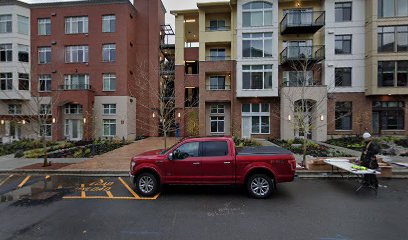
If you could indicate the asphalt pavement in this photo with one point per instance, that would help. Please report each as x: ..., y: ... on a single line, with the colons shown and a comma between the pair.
x: 69, y: 207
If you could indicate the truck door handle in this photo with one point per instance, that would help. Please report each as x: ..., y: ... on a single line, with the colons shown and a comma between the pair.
x: 196, y: 163
x: 227, y: 162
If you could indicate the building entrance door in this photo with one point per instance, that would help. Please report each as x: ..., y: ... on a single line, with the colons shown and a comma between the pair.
x: 73, y: 129
x: 246, y: 127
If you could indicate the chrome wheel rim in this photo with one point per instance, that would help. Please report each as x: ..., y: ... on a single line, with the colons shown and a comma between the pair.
x: 146, y: 184
x: 260, y: 186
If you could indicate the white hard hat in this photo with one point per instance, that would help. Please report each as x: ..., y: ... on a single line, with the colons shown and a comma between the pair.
x: 366, y: 135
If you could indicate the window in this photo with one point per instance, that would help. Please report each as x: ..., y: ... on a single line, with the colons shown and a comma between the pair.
x: 23, y: 81
x: 109, y: 127
x: 259, y: 117
x: 44, y: 83
x: 45, y: 130
x: 187, y: 150
x: 298, y: 78
x: 256, y: 76
x: 217, y: 25
x: 109, y: 52
x: 23, y: 53
x: 191, y: 67
x: 298, y: 17
x: 393, y: 73
x: 389, y: 115
x: 73, y: 109
x: 44, y: 26
x: 393, y: 39
x: 215, y: 149
x: 217, y: 119
x: 392, y: 8
x: 343, y: 116
x: 217, y: 54
x: 75, y: 25
x: 6, y: 52
x: 191, y: 97
x: 109, y: 23
x: 109, y: 109
x: 6, y: 81
x: 76, y: 54
x: 257, y: 45
x: 343, y: 44
x: 5, y: 24
x: 343, y: 11
x: 109, y: 82
x: 342, y: 77
x: 14, y: 109
x: 45, y: 109
x: 256, y: 14
x: 76, y: 82
x: 44, y: 55
x: 23, y: 25
x: 217, y: 83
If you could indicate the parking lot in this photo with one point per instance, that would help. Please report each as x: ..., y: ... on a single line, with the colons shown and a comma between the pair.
x: 72, y: 207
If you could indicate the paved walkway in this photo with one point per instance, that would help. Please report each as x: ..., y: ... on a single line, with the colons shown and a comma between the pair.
x: 119, y: 159
x: 8, y: 162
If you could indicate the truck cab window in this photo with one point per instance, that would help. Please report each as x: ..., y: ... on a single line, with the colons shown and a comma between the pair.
x: 186, y: 150
x: 213, y: 149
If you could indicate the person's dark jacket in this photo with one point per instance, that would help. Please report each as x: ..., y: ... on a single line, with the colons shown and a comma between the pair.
x: 368, y: 155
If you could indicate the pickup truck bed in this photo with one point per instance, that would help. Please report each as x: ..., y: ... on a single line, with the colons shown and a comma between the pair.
x: 266, y: 150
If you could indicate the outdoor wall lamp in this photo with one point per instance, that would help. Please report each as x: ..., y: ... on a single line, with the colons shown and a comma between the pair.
x: 23, y: 122
x: 2, y: 122
x: 179, y: 115
x: 154, y: 115
x: 289, y: 117
x: 321, y: 117
x: 53, y: 120
x: 84, y: 120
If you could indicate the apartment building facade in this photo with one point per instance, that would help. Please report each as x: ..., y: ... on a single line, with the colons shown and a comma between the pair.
x: 342, y: 63
x: 14, y: 67
x: 95, y: 68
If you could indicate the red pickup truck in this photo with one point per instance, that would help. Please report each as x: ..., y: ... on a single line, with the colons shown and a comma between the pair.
x: 213, y: 161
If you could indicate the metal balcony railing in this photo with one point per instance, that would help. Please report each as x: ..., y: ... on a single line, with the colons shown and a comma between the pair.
x: 217, y: 58
x: 219, y: 28
x: 302, y: 22
x: 306, y: 53
x: 218, y: 87
x: 75, y: 87
x: 299, y: 83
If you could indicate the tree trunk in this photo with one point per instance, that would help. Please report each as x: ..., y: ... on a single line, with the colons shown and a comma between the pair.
x: 165, y: 139
x: 44, y: 143
x: 304, y: 151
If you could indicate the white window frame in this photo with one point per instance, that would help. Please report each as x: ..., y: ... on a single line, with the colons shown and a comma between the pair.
x: 72, y: 25
x: 76, y: 54
x: 109, y: 48
x: 42, y: 55
x: 217, y: 114
x: 47, y: 128
x: 24, y: 77
x: 287, y: 80
x: 23, y: 24
x: 15, y: 109
x: 259, y: 114
x: 108, y: 78
x: 262, y: 10
x: 267, y: 68
x: 78, y: 80
x: 43, y: 29
x: 23, y: 49
x: 217, y: 86
x: 109, y: 109
x: 6, y: 81
x: 108, y: 123
x: 252, y: 37
x: 45, y: 109
x: 46, y: 78
x: 6, y: 48
x: 107, y: 23
x: 6, y: 23
x: 73, y: 109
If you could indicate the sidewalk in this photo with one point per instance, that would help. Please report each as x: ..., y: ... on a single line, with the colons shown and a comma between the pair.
x: 119, y: 159
x: 8, y: 162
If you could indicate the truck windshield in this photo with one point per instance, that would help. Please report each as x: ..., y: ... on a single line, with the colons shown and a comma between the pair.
x: 168, y: 149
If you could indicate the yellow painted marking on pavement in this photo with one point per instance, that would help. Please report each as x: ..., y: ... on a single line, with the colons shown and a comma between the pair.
x: 109, y: 194
x: 128, y: 188
x: 5, y: 180
x: 23, y: 182
x: 100, y: 197
x: 83, y: 195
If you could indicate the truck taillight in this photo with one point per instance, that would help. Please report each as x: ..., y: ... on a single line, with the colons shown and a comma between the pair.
x: 293, y: 164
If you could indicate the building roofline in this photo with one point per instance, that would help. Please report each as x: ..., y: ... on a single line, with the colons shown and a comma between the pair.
x: 163, y: 7
x: 213, y: 4
x: 184, y: 11
x: 78, y: 3
x: 14, y: 2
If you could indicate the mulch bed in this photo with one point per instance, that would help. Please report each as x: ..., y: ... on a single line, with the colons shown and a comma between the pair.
x: 53, y: 166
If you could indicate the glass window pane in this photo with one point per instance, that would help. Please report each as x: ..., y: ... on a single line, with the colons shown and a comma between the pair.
x: 402, y: 9
x: 246, y: 19
x: 268, y: 18
x: 402, y: 76
x: 402, y: 38
x: 255, y: 125
x: 255, y: 107
x: 268, y: 80
x: 246, y: 107
x: 256, y: 48
x: 264, y: 124
x: 256, y: 19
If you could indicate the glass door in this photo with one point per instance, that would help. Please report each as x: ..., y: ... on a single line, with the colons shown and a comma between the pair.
x: 246, y: 127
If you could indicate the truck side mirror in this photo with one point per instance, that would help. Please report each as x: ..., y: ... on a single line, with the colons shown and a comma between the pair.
x: 171, y: 157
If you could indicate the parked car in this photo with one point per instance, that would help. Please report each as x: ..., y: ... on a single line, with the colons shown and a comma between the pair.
x: 213, y: 161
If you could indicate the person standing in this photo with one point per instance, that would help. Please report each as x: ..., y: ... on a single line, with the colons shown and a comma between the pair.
x: 368, y: 159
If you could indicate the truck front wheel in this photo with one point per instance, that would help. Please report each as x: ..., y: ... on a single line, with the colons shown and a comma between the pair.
x: 147, y: 184
x: 259, y: 186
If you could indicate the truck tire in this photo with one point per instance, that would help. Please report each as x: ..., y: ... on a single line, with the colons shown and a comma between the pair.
x: 147, y: 184
x: 260, y: 186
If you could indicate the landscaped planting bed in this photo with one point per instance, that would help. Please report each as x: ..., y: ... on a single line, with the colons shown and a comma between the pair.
x: 22, y: 145
x: 243, y: 142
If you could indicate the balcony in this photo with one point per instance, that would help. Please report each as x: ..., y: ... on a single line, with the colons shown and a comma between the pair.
x: 219, y: 87
x: 218, y: 28
x: 307, y: 55
x: 297, y: 22
x: 74, y: 87
x: 217, y: 58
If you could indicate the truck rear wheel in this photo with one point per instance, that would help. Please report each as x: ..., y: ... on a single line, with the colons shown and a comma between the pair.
x: 259, y: 186
x: 147, y: 184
